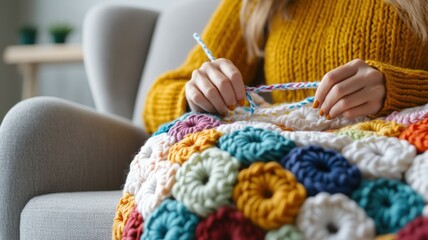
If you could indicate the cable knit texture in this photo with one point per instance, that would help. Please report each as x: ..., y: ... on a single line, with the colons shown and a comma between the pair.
x: 320, y: 36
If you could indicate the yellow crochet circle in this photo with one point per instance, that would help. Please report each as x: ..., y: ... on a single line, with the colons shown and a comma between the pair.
x: 381, y: 127
x: 123, y: 210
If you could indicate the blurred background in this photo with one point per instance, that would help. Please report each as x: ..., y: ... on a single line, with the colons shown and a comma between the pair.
x: 64, y: 80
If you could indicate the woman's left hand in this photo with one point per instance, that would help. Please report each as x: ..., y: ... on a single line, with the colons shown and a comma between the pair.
x: 351, y: 90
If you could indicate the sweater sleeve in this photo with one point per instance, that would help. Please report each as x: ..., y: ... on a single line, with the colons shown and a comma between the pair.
x: 405, y: 88
x: 166, y: 99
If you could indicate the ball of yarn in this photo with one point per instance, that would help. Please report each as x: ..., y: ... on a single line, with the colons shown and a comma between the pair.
x: 355, y: 134
x: 253, y: 144
x: 322, y: 170
x: 170, y: 221
x: 228, y: 223
x: 417, y: 134
x: 236, y: 126
x: 268, y: 195
x: 386, y: 237
x: 194, y: 142
x: 390, y: 203
x: 134, y: 226
x: 154, y: 150
x: 380, y: 157
x: 205, y: 182
x: 417, y: 175
x: 286, y: 232
x: 157, y: 187
x: 334, y: 216
x: 323, y: 139
x: 123, y: 210
x: 381, y: 127
x: 415, y: 230
x: 193, y: 123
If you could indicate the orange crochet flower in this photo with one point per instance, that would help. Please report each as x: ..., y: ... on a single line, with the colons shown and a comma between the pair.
x: 123, y: 210
x: 417, y: 134
x: 268, y: 195
x: 381, y: 127
x: 195, y: 142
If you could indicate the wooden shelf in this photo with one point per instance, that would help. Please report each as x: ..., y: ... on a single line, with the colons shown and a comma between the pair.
x: 19, y: 54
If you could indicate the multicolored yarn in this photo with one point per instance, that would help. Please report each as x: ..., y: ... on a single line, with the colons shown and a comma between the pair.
x: 123, y: 210
x: 205, y: 182
x: 268, y: 195
x: 390, y: 203
x: 380, y: 157
x: 194, y: 142
x: 417, y: 134
x: 334, y: 216
x: 284, y: 86
x: 232, y: 127
x: 415, y: 230
x: 170, y: 221
x: 355, y: 134
x: 134, y: 226
x: 322, y: 170
x: 254, y: 144
x: 286, y: 232
x: 193, y: 123
x: 228, y: 223
x: 417, y: 175
x: 323, y: 139
x: 381, y: 127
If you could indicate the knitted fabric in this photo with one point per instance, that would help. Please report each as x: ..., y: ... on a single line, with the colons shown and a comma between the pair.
x: 390, y: 203
x: 322, y: 170
x: 417, y: 134
x: 268, y: 195
x: 228, y: 223
x: 123, y: 210
x: 417, y: 176
x: 334, y: 217
x: 134, y: 226
x: 415, y: 230
x: 381, y: 127
x: 323, y: 139
x: 195, y: 142
x: 193, y: 123
x: 253, y: 144
x: 286, y: 232
x: 205, y: 182
x: 380, y: 157
x: 170, y: 221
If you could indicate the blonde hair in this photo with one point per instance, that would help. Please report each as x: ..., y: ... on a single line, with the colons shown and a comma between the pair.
x: 256, y: 16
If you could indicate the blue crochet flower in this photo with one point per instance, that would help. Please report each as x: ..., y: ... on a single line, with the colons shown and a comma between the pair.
x: 254, y: 144
x: 390, y: 203
x: 171, y: 220
x: 322, y: 170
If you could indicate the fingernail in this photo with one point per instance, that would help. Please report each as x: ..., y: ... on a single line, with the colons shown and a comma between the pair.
x: 328, y: 117
x: 316, y: 104
x: 321, y: 112
x: 241, y: 102
x: 232, y: 107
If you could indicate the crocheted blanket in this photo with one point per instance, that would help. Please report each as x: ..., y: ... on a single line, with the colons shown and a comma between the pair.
x: 279, y: 174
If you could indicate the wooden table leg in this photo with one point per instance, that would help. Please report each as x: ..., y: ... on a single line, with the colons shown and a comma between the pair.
x: 30, y: 83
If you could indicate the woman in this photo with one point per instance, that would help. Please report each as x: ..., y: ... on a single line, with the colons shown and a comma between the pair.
x: 371, y: 55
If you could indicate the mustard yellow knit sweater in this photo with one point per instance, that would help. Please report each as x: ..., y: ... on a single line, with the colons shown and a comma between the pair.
x: 321, y: 36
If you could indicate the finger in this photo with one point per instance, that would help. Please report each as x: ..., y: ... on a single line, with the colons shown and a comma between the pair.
x: 223, y: 85
x: 340, y: 90
x: 360, y: 110
x: 348, y: 102
x: 333, y: 77
x: 235, y: 77
x: 211, y: 93
x: 197, y: 101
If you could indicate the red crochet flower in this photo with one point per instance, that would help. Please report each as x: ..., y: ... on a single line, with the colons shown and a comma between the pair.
x: 134, y: 226
x: 415, y: 230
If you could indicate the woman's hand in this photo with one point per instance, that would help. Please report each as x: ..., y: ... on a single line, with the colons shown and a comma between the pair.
x: 351, y: 90
x: 215, y: 87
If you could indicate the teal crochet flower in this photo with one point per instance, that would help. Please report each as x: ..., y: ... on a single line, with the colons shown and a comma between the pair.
x: 170, y: 221
x: 390, y: 203
x: 254, y: 144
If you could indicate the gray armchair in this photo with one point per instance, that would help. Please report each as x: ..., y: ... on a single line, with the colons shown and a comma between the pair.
x: 62, y: 165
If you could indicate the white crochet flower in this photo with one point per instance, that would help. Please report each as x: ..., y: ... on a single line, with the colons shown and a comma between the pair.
x: 417, y: 176
x: 154, y: 150
x: 425, y: 212
x: 334, y: 217
x: 380, y: 157
x: 228, y: 128
x: 323, y: 139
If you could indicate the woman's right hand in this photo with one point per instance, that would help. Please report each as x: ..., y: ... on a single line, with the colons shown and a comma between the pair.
x: 215, y: 87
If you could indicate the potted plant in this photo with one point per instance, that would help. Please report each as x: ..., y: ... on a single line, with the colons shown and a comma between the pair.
x: 60, y: 31
x: 28, y: 34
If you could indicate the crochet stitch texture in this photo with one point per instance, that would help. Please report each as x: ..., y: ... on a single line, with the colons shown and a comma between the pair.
x: 267, y: 176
